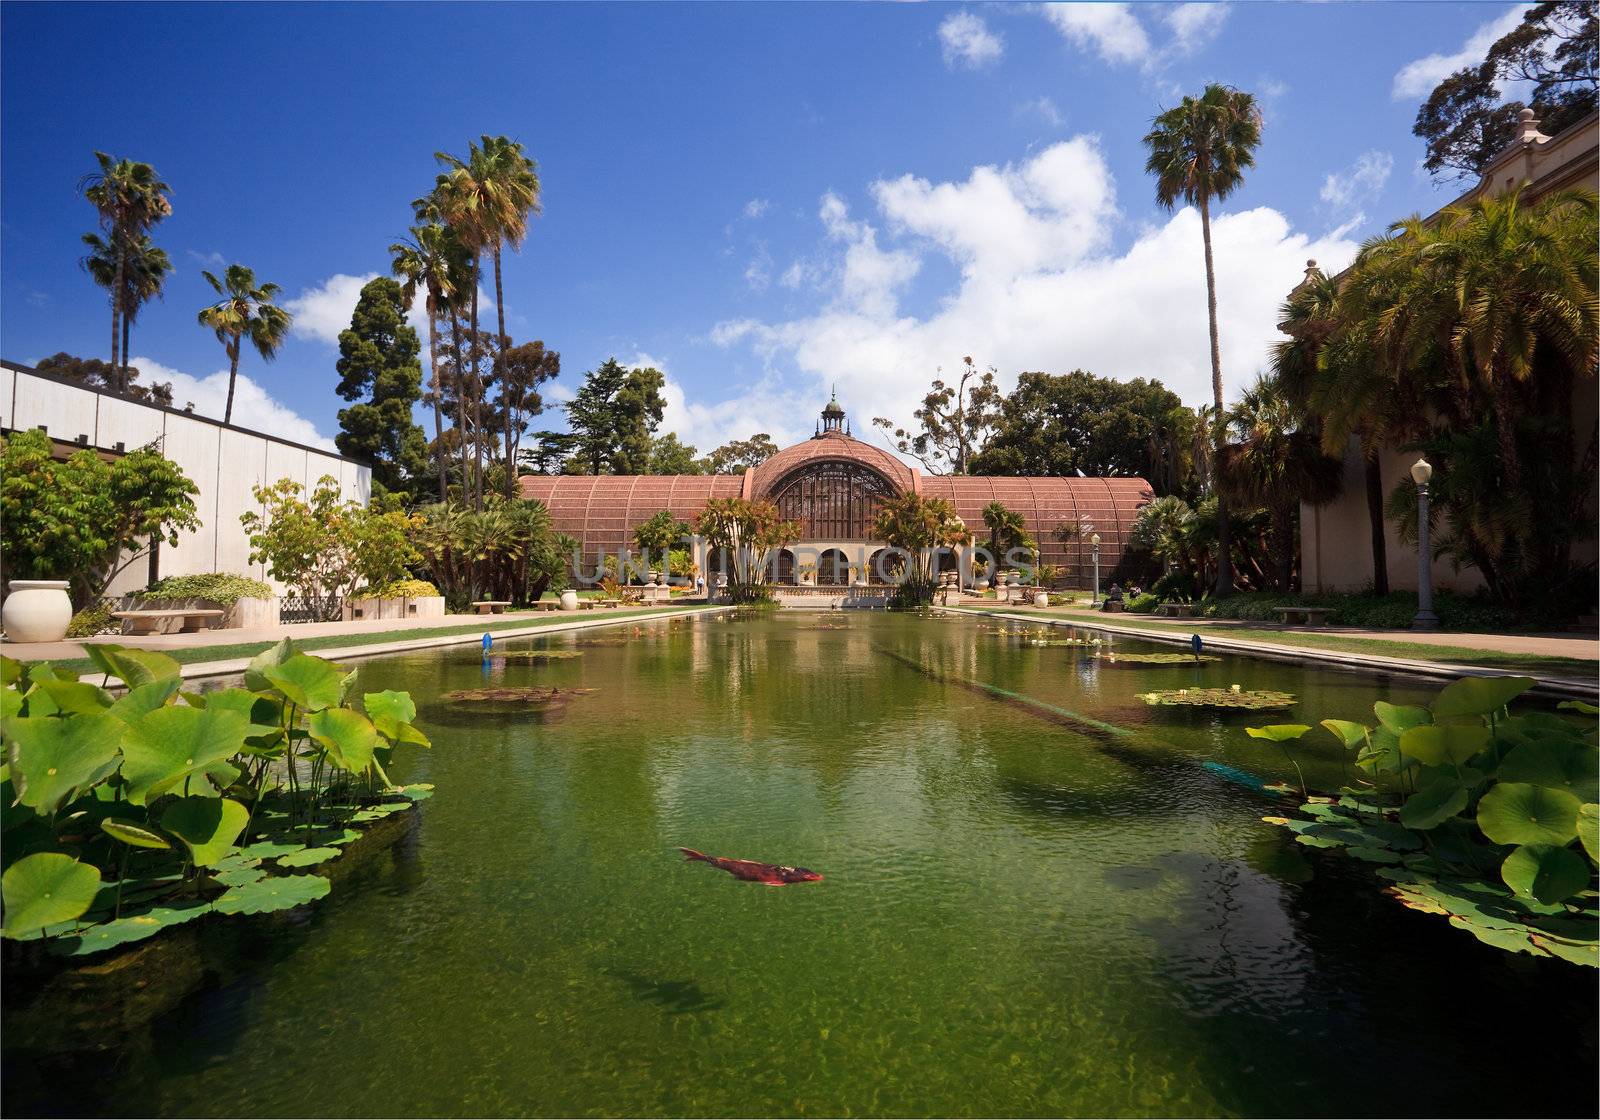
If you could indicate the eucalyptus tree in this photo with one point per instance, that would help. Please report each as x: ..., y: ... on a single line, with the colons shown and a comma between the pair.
x: 1199, y: 151
x: 431, y: 260
x: 143, y: 274
x: 953, y: 423
x: 245, y: 311
x: 130, y: 198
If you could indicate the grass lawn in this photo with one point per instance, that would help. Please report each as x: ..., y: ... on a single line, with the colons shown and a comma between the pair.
x: 1537, y: 664
x: 196, y: 654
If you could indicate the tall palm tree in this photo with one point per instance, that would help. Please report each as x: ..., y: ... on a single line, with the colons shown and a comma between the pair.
x: 488, y: 198
x: 130, y: 198
x: 1199, y: 151
x: 431, y: 259
x: 1278, y: 462
x: 144, y: 273
x: 246, y: 310
x: 1007, y: 529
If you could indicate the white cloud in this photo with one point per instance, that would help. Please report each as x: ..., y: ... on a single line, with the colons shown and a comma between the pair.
x: 762, y: 407
x: 1044, y: 108
x: 968, y: 42
x: 321, y: 313
x: 252, y: 406
x: 213, y: 259
x: 1193, y: 26
x: 758, y: 272
x: 1358, y: 184
x: 756, y: 207
x: 1041, y: 287
x: 1111, y: 30
x: 1417, y: 78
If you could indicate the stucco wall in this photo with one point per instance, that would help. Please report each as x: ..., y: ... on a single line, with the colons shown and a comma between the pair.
x: 224, y: 461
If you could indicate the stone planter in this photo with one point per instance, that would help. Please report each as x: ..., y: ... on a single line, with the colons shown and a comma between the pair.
x: 243, y: 614
x: 1040, y: 599
x: 424, y: 606
x: 37, y: 610
x: 569, y: 600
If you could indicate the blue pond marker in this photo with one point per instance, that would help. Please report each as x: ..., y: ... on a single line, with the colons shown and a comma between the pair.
x: 489, y: 642
x: 1194, y: 641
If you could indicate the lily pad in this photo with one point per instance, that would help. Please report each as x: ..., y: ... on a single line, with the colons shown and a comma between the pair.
x: 1520, y: 813
x: 135, y: 927
x: 1224, y: 698
x: 348, y: 736
x: 1136, y: 660
x: 1478, y: 696
x: 310, y: 682
x: 309, y: 857
x: 1549, y: 873
x: 1278, y: 732
x: 52, y: 758
x: 276, y: 892
x: 208, y: 826
x: 134, y: 667
x: 534, y: 655
x: 165, y: 746
x: 1348, y: 732
x: 57, y: 697
x: 255, y: 674
x: 1589, y: 829
x: 1435, y: 744
x: 514, y: 698
x: 134, y: 833
x: 1569, y: 766
x: 1433, y: 804
x: 45, y: 889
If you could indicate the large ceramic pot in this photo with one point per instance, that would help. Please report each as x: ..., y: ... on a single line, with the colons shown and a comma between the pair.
x: 37, y: 610
x: 569, y: 600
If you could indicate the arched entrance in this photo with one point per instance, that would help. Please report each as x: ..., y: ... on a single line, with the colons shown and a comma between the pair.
x: 833, y: 568
x: 832, y: 500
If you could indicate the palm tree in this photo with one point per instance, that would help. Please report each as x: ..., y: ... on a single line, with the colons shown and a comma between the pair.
x: 1166, y: 527
x: 1006, y: 529
x: 144, y: 274
x: 131, y: 199
x: 1199, y: 151
x: 1277, y: 462
x: 246, y: 309
x: 487, y: 198
x: 431, y: 260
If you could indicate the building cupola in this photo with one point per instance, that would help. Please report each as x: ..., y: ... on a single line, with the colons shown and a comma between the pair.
x: 833, y: 418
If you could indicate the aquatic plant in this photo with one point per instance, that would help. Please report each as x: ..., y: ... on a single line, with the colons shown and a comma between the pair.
x: 127, y: 815
x: 532, y: 699
x: 538, y: 654
x: 1146, y: 660
x: 1472, y: 812
x: 1230, y: 699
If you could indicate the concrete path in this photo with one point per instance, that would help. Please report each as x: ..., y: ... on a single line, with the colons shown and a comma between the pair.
x: 1215, y: 633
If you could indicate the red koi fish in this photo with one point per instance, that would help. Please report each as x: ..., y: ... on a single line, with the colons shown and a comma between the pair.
x: 749, y: 870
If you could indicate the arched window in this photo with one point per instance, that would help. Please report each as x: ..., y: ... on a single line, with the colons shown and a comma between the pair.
x: 832, y: 500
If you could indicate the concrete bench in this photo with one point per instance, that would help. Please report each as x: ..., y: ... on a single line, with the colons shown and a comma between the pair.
x: 1308, y: 616
x: 1176, y: 610
x: 491, y: 606
x: 547, y: 605
x: 194, y: 619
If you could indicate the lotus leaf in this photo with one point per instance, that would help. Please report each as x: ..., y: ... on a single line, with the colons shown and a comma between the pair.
x: 416, y: 791
x: 45, y: 889
x: 1579, y: 706
x: 1569, y: 766
x: 1382, y: 754
x: 516, y: 697
x: 1478, y: 696
x: 276, y: 892
x: 551, y: 654
x: 53, y: 758
x: 146, y: 698
x: 134, y: 833
x: 1278, y: 732
x: 255, y: 678
x: 239, y: 876
x: 10, y: 671
x: 136, y: 927
x: 55, y: 697
x: 1547, y: 872
x: 308, y: 857
x: 310, y: 682
x: 170, y: 744
x: 347, y: 735
x: 1225, y: 698
x: 1349, y: 733
x: 391, y: 713
x: 1374, y: 855
x: 133, y: 667
x: 1520, y: 813
x: 1397, y: 718
x: 1135, y: 660
x: 208, y: 826
x: 1433, y: 804
x: 1436, y: 744
x: 1587, y: 954
x: 1589, y: 828
x: 269, y: 849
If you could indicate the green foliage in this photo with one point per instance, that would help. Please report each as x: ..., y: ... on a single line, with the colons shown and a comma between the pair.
x: 97, y: 374
x: 1484, y: 816
x: 93, y: 620
x: 327, y: 547
x: 954, y: 423
x: 657, y: 536
x: 378, y: 361
x: 196, y: 791
x: 220, y: 587
x: 921, y: 528
x: 1468, y: 614
x: 746, y: 534
x: 737, y: 456
x: 507, y: 550
x: 84, y: 519
x: 613, y: 415
x: 401, y: 589
x: 1226, y: 699
x: 1142, y: 604
x: 245, y: 311
x: 670, y: 455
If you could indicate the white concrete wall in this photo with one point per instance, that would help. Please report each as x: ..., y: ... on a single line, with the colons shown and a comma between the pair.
x: 225, y: 462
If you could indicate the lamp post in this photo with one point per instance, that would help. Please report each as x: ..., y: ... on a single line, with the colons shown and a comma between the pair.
x: 1425, y: 619
x: 1094, y: 547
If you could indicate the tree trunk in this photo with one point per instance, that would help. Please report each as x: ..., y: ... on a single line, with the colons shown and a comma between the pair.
x: 433, y: 363
x: 233, y: 376
x: 500, y: 371
x: 1224, y: 584
x: 118, y: 383
x: 127, y: 322
x: 462, y: 395
x: 1373, y: 470
x: 1283, y: 529
x: 477, y: 392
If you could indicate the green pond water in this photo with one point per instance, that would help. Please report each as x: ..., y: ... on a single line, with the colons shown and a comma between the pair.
x: 1021, y: 915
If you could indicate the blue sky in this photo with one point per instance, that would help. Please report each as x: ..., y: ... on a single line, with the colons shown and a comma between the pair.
x: 762, y: 199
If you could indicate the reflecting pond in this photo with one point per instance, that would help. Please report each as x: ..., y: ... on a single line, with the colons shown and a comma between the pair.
x: 1038, y: 899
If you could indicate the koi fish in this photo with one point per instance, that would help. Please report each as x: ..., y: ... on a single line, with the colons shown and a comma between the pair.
x: 749, y: 870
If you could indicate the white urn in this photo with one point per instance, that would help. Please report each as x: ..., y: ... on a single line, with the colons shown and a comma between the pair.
x: 569, y: 600
x: 37, y: 610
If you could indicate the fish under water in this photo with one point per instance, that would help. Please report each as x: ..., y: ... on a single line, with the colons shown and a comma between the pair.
x: 771, y: 874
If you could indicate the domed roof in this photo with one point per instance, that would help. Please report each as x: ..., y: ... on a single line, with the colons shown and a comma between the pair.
x: 835, y: 446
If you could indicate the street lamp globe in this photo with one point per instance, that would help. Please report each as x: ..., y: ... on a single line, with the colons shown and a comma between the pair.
x: 1421, y: 472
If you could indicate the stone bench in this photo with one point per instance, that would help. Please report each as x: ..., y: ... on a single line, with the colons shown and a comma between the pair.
x: 194, y: 620
x: 1308, y: 616
x: 491, y: 606
x: 1176, y: 610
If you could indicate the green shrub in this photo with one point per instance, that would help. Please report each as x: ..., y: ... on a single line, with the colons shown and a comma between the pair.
x: 1176, y: 587
x: 220, y: 587
x: 93, y: 620
x: 1142, y: 604
x: 1386, y: 612
x: 400, y: 589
